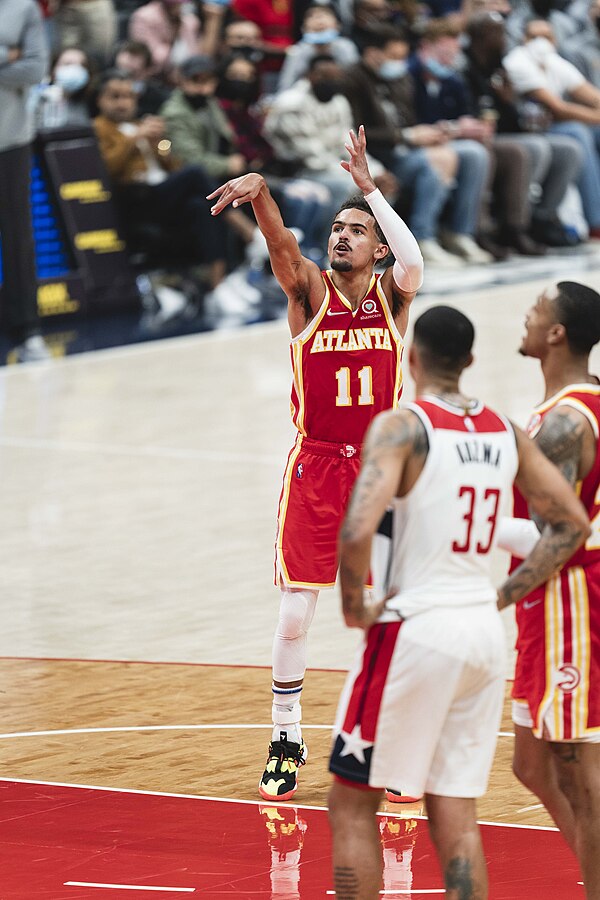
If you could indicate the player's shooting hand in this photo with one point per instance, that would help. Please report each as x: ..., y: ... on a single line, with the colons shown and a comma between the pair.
x: 357, y: 165
x: 236, y: 192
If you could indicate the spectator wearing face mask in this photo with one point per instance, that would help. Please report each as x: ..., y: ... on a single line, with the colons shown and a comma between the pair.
x: 555, y: 159
x: 540, y: 75
x: 275, y: 19
x: 440, y: 100
x: 134, y: 57
x: 200, y: 132
x: 380, y: 90
x: 305, y: 124
x: 149, y: 184
x: 320, y: 34
x: 304, y: 203
x: 65, y: 101
x: 583, y: 49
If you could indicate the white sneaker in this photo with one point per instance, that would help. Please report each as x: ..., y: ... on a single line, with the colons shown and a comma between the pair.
x: 434, y: 255
x: 33, y: 349
x: 464, y: 245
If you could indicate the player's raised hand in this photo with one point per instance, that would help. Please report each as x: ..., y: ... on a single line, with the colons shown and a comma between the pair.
x: 357, y: 165
x: 236, y: 192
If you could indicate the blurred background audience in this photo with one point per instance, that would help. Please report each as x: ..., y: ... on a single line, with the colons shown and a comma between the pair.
x: 482, y: 116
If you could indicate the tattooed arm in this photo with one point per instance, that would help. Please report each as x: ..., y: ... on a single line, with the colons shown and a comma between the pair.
x: 394, y: 454
x: 564, y: 438
x: 300, y: 278
x: 552, y: 500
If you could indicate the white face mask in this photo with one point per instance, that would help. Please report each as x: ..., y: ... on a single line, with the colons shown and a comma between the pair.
x: 540, y: 48
x: 71, y: 77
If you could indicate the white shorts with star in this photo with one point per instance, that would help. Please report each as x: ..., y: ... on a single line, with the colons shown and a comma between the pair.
x: 420, y: 709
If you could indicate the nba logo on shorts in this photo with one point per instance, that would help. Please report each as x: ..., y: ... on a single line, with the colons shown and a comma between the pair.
x: 299, y: 470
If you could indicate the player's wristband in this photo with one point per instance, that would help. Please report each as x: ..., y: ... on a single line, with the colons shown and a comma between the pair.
x: 518, y: 536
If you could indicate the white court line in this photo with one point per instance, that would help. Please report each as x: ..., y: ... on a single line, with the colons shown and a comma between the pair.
x: 18, y: 734
x: 137, y: 791
x: 128, y: 887
x: 529, y: 808
x: 126, y: 728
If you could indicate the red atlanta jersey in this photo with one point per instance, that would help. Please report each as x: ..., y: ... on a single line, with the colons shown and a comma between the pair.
x: 347, y: 366
x: 586, y: 399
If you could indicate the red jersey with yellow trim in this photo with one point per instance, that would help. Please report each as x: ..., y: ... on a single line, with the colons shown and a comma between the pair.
x: 347, y: 366
x: 558, y: 624
x: 586, y: 399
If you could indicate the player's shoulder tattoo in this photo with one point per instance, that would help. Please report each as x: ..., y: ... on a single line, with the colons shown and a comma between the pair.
x: 401, y: 428
x: 560, y: 438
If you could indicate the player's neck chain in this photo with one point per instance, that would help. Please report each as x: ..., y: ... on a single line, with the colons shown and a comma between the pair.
x: 453, y: 398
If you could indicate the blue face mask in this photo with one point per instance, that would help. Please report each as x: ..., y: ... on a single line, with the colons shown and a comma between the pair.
x: 71, y: 78
x: 438, y: 69
x: 320, y: 37
x: 390, y: 69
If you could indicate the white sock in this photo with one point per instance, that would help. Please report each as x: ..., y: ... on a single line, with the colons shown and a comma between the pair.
x: 287, y: 714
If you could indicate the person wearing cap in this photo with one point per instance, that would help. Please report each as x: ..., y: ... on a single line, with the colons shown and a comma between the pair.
x: 200, y: 132
x: 197, y: 127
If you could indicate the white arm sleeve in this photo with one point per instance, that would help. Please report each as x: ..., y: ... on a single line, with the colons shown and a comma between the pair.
x: 518, y: 536
x: 408, y: 268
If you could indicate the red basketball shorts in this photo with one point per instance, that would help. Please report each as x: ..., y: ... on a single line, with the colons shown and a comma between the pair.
x: 558, y: 656
x: 317, y: 484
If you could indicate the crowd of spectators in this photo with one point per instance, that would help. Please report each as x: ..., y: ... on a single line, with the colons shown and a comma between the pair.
x: 482, y: 116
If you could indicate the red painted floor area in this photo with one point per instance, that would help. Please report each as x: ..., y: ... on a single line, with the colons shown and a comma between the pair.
x: 114, y: 845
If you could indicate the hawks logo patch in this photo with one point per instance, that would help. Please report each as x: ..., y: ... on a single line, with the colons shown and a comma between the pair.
x: 571, y: 678
x: 368, y: 306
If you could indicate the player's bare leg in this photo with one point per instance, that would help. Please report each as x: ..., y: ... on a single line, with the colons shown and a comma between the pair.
x: 578, y: 770
x: 287, y: 750
x: 455, y: 833
x: 534, y: 766
x: 357, y: 854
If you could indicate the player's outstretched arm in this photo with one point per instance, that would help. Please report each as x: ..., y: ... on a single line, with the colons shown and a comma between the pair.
x: 406, y: 276
x: 553, y: 501
x: 293, y: 271
x: 391, y: 440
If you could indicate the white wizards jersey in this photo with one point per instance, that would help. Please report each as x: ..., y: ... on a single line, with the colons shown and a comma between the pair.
x: 433, y: 546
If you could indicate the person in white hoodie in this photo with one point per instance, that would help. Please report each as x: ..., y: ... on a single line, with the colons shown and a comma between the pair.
x: 540, y: 75
x: 23, y: 63
x: 306, y: 124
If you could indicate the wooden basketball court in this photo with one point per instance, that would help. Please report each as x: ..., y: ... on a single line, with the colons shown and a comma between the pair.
x: 139, y: 493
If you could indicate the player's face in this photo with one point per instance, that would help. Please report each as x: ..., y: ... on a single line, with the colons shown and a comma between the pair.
x: 353, y: 243
x: 538, y: 321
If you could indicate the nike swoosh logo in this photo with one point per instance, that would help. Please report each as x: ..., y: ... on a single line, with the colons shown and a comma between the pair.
x: 529, y: 604
x: 341, y: 312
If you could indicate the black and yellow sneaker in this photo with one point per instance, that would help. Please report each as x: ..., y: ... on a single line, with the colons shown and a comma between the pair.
x: 280, y: 778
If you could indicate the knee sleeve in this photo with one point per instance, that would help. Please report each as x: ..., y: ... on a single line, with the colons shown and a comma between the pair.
x: 296, y: 612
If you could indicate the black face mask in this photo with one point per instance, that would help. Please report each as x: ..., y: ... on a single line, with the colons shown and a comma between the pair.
x: 196, y: 101
x: 324, y: 91
x: 237, y: 89
x: 248, y: 52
